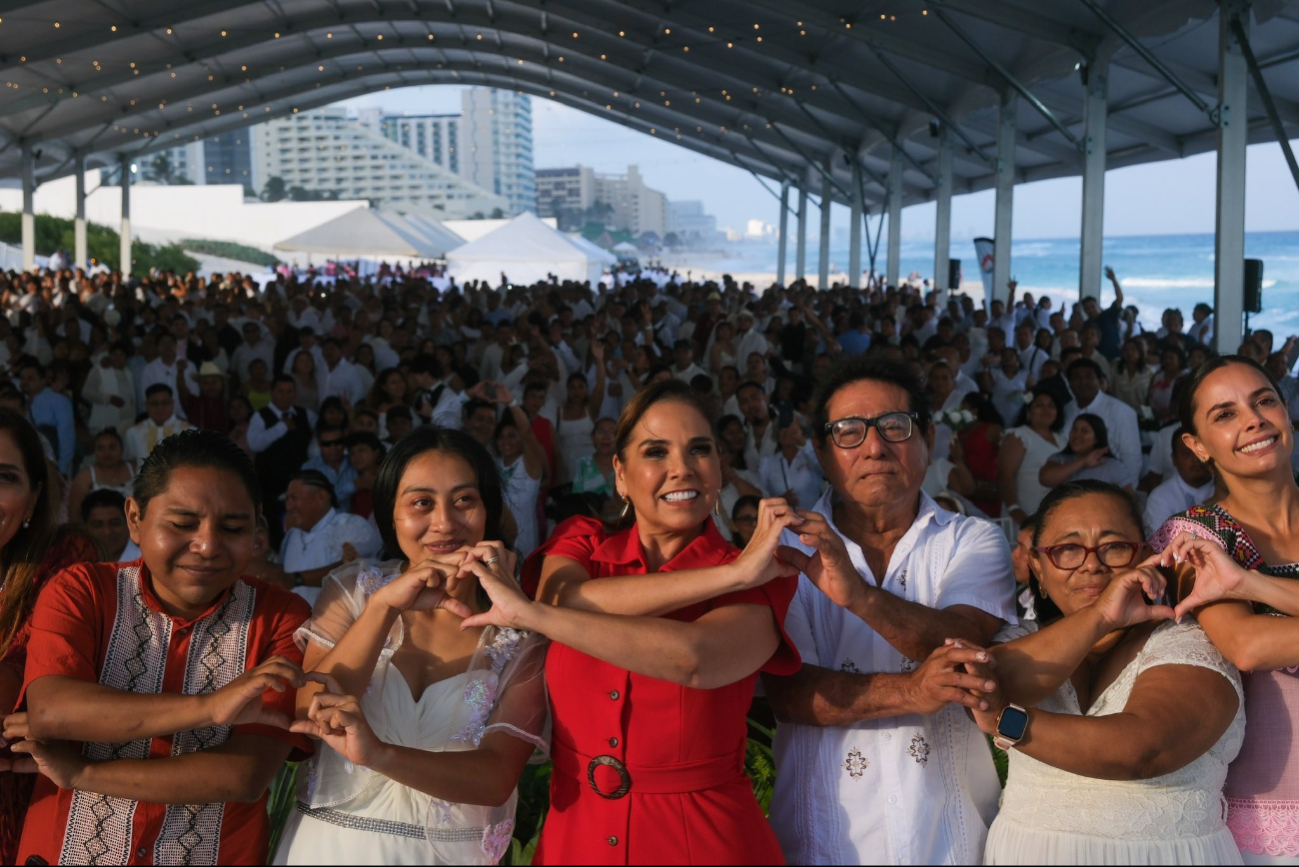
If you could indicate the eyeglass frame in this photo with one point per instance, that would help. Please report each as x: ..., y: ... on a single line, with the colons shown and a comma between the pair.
x: 1088, y: 550
x: 913, y: 417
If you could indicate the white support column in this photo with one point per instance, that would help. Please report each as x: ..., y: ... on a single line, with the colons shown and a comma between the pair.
x: 80, y: 256
x: 943, y: 215
x: 29, y: 210
x: 1229, y: 243
x: 783, y: 236
x: 124, y: 163
x: 1005, y: 186
x: 1095, y: 109
x: 892, y: 269
x: 800, y: 253
x: 823, y: 257
x: 854, y: 226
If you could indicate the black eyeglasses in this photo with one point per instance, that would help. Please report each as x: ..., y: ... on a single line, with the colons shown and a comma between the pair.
x: 893, y: 427
x: 1116, y: 555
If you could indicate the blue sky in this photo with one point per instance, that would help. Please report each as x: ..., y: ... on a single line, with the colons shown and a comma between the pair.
x: 1170, y: 197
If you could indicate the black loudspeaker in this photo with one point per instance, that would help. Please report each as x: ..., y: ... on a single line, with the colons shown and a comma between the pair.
x: 953, y: 273
x: 1253, y: 286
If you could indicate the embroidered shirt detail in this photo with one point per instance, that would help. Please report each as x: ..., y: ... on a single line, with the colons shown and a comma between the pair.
x: 908, y: 665
x: 480, y: 690
x: 919, y: 750
x: 849, y: 666
x: 856, y: 763
x: 371, y: 579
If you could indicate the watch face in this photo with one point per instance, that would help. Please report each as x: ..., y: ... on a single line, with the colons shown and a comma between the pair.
x: 1012, y: 724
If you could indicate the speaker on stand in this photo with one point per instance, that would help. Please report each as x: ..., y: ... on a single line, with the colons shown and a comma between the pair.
x: 1252, y: 293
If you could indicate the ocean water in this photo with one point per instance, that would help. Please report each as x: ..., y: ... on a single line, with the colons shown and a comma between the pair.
x: 1155, y: 271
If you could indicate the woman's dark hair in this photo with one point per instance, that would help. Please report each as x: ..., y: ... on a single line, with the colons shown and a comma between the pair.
x: 576, y: 376
x: 1039, y: 390
x: 194, y: 448
x: 673, y: 390
x: 1099, y: 430
x: 430, y: 438
x: 1191, y: 384
x: 507, y: 421
x: 111, y: 433
x: 742, y: 502
x: 21, y: 559
x: 860, y: 368
x: 984, y: 410
x: 332, y: 402
x: 1061, y: 494
x: 1141, y: 357
x: 1174, y: 347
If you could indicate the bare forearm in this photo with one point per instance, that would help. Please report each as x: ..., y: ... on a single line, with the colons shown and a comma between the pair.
x: 1053, y: 474
x: 914, y: 629
x: 352, y: 660
x: 205, y: 777
x: 820, y: 697
x: 649, y: 595
x: 1118, y: 746
x: 1032, y: 668
x: 700, y: 654
x: 1283, y: 595
x: 67, y: 709
x: 478, y: 776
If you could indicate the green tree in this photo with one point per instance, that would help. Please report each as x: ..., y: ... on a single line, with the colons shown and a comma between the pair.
x: 274, y: 190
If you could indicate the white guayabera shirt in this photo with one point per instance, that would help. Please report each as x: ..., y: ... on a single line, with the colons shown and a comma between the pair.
x: 899, y: 790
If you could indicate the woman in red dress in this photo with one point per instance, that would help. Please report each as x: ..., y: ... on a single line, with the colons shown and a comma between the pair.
x: 31, y: 550
x: 659, y: 630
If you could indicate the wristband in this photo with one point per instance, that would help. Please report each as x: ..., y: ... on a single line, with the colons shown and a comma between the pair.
x: 298, y: 580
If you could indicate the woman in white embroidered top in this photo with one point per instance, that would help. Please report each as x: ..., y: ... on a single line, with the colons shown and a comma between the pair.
x: 1119, y: 722
x: 425, y: 729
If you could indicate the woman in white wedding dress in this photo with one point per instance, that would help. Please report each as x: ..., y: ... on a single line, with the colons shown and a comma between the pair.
x: 424, y: 728
x: 1126, y: 719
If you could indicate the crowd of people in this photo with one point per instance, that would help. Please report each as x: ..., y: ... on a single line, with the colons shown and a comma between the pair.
x: 417, y: 536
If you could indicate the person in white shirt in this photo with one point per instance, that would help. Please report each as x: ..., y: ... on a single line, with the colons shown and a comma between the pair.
x: 876, y: 760
x: 792, y: 473
x: 1120, y: 419
x: 110, y: 389
x: 166, y: 367
x: 338, y: 377
x: 161, y: 423
x: 760, y: 429
x: 683, y: 361
x: 255, y: 346
x: 318, y: 537
x: 1190, y: 485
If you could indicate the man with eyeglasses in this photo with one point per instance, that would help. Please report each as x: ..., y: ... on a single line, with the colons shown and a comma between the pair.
x: 874, y: 717
x: 333, y: 464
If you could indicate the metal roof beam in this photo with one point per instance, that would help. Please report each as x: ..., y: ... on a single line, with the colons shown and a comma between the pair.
x: 1028, y: 22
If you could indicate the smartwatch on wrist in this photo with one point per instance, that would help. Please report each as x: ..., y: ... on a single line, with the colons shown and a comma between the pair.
x: 1012, y: 725
x: 298, y: 580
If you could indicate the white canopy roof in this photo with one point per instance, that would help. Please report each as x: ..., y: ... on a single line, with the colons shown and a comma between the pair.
x: 526, y: 250
x: 594, y: 249
x: 369, y: 234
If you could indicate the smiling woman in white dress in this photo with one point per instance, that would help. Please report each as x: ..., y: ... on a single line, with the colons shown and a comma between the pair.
x: 1125, y: 720
x: 424, y: 728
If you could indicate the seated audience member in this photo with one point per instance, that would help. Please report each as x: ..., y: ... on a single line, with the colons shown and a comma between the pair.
x: 1086, y: 456
x: 142, y: 437
x: 333, y: 464
x: 114, y: 665
x: 106, y: 470
x: 398, y: 423
x: 364, y: 452
x: 104, y: 514
x: 1119, y: 723
x: 317, y: 533
x: 1191, y: 485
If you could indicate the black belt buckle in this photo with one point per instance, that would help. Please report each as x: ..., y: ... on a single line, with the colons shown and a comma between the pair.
x: 624, y: 785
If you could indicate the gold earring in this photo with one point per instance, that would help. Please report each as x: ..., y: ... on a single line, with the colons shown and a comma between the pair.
x: 626, y: 507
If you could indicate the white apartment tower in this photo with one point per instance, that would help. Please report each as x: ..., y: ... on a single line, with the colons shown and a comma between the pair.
x: 329, y: 151
x: 435, y: 137
x: 496, y: 145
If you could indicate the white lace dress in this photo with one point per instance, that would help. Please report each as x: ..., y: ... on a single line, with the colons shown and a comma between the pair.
x: 1050, y: 816
x: 351, y: 815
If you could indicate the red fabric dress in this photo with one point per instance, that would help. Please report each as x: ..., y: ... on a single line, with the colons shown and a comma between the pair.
x: 981, y: 455
x: 689, y: 801
x: 16, y: 789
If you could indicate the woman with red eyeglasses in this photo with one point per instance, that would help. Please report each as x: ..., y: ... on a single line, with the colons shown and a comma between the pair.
x: 1119, y: 722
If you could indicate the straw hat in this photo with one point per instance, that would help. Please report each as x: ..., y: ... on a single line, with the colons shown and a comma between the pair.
x: 207, y: 368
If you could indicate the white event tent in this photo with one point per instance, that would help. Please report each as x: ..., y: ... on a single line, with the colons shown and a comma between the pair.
x: 365, y: 233
x: 527, y: 251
